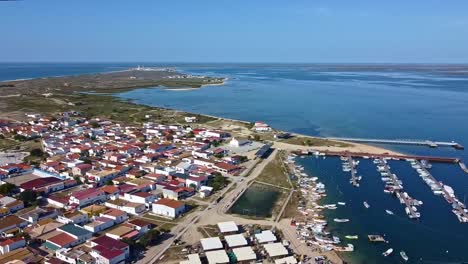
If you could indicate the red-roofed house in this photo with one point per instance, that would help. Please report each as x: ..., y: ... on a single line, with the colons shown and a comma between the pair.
x: 107, y: 255
x: 88, y: 196
x: 111, y: 243
x: 224, y: 167
x: 11, y: 244
x: 48, y: 184
x: 168, y: 208
x: 81, y: 169
x: 62, y: 240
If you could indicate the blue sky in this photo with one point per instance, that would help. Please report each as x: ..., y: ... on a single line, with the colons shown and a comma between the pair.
x: 234, y: 31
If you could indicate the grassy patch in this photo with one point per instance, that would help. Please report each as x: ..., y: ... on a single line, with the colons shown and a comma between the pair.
x: 275, y: 173
x: 8, y: 144
x: 291, y: 209
x: 314, y: 141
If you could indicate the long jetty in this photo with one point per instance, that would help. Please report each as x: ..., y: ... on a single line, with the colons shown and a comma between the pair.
x: 378, y: 156
x: 397, y: 190
x: 414, y: 142
x: 458, y: 208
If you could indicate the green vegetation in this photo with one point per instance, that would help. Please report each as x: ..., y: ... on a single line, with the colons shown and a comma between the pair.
x: 7, y: 188
x: 28, y: 197
x: 9, y: 144
x: 275, y: 173
x: 218, y: 182
x: 149, y: 238
x: 293, y: 203
x: 37, y: 152
x: 314, y: 141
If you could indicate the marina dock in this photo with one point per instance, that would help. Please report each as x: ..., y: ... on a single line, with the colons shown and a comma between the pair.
x: 350, y: 165
x: 414, y: 142
x: 378, y: 156
x: 395, y: 186
x: 438, y: 188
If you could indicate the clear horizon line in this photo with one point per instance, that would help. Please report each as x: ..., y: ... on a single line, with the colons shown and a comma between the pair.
x: 245, y: 62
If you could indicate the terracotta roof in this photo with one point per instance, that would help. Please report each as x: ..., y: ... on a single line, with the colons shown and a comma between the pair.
x: 108, y: 253
x: 39, y: 182
x: 86, y: 193
x: 170, y: 203
x: 62, y: 239
x: 113, y: 212
x: 109, y: 242
x: 110, y: 189
x: 139, y: 222
x: 10, y: 221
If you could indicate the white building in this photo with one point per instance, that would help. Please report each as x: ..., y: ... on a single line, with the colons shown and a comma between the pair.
x: 11, y: 244
x: 140, y: 197
x: 235, y: 142
x: 99, y: 224
x: 261, y: 127
x: 168, y: 208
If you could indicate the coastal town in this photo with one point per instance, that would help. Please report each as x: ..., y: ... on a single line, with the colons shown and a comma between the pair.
x: 107, y: 181
x: 96, y: 191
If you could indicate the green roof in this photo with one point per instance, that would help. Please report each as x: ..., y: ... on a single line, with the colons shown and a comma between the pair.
x: 75, y: 230
x: 50, y: 246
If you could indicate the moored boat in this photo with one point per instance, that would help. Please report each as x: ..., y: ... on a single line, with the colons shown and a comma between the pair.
x: 366, y: 205
x: 340, y: 220
x: 352, y: 237
x: 404, y: 256
x: 388, y: 252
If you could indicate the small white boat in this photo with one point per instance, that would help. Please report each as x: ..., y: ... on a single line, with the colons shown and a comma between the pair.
x: 366, y: 205
x: 339, y: 220
x: 352, y: 237
x: 404, y: 256
x: 389, y: 212
x: 388, y: 252
x: 341, y: 203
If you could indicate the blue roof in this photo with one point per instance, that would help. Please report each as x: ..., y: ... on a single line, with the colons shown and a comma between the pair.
x: 75, y: 230
x: 263, y: 150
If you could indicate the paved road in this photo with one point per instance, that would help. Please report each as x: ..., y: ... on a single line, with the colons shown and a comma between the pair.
x: 153, y: 254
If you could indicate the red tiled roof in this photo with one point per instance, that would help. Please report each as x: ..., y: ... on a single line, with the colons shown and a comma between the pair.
x: 108, y: 253
x: 170, y: 203
x: 86, y: 193
x: 62, y: 239
x: 109, y: 242
x: 10, y: 241
x: 226, y: 166
x: 39, y: 182
x: 139, y: 222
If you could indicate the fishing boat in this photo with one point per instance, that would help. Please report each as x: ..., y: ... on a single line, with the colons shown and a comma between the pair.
x: 341, y: 203
x: 352, y: 237
x: 340, y: 220
x: 388, y: 252
x: 404, y: 256
x: 389, y: 212
x: 366, y: 205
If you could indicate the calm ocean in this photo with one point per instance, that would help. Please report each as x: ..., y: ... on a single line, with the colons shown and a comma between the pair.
x: 388, y: 101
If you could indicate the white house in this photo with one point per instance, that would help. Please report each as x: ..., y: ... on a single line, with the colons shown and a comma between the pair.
x: 11, y: 244
x: 235, y: 142
x: 261, y: 127
x: 126, y: 206
x: 168, y: 208
x: 140, y: 197
x: 117, y: 215
x: 87, y: 196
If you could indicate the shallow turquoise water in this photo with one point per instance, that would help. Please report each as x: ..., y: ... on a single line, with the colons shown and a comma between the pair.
x: 258, y: 201
x: 388, y: 102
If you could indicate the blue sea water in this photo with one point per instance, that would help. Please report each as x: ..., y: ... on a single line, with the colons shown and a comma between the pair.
x: 388, y: 101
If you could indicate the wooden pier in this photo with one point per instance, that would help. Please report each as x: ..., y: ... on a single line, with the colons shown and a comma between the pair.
x: 414, y: 142
x: 457, y: 208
